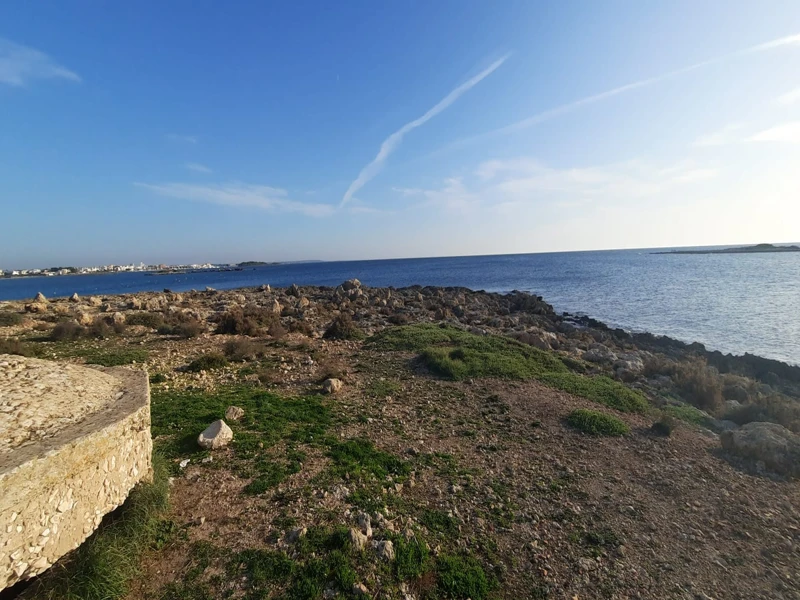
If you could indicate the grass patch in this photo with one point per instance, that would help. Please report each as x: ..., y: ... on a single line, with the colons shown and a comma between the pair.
x: 115, y: 358
x: 381, y: 388
x: 439, y: 522
x: 412, y: 558
x: 360, y: 458
x: 8, y: 319
x: 596, y: 423
x: 460, y: 577
x: 158, y: 378
x: 207, y: 362
x: 687, y: 413
x: 103, y: 566
x: 457, y: 354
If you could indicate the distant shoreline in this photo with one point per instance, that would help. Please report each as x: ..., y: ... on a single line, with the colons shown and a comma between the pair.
x: 759, y: 249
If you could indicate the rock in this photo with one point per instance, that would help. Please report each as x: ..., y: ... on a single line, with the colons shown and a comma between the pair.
x: 216, y: 435
x: 293, y: 290
x: 357, y: 539
x: 351, y: 284
x: 234, y: 413
x: 331, y: 386
x: 629, y: 362
x: 276, y: 307
x: 266, y: 288
x: 735, y: 393
x: 296, y: 534
x: 365, y: 524
x: 135, y: 304
x: 39, y: 297
x: 303, y: 302
x: 118, y: 318
x: 84, y: 318
x: 36, y: 307
x: 385, y: 550
x: 93, y: 301
x: 75, y: 298
x: 770, y: 443
x: 210, y: 289
x: 240, y: 299
x: 359, y: 589
x: 599, y: 354
x: 184, y: 463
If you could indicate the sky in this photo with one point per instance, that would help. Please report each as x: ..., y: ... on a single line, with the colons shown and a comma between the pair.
x: 194, y: 131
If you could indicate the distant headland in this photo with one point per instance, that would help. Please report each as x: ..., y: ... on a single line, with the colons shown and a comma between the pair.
x: 742, y: 250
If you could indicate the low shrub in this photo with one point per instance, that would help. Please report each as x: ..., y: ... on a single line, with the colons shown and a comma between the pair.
x: 664, y: 426
x: 207, y: 362
x: 145, y: 319
x: 276, y: 331
x: 699, y: 384
x: 67, y: 331
x: 13, y: 346
x: 595, y: 422
x: 461, y: 577
x: 303, y: 327
x: 399, y: 319
x: 242, y: 350
x: 251, y: 321
x: 343, y: 328
x: 8, y: 319
x: 775, y: 408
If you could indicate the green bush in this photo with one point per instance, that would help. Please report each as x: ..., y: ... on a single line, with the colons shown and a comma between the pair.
x: 251, y: 320
x: 460, y: 577
x: 145, y: 319
x: 7, y: 319
x: 664, y: 426
x: 597, y: 423
x: 115, y: 358
x: 207, y: 362
x: 459, y: 355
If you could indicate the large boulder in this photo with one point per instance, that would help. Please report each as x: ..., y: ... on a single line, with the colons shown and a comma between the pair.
x: 351, y: 284
x: 768, y: 443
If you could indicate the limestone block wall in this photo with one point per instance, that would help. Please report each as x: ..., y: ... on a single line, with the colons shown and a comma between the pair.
x: 58, y: 481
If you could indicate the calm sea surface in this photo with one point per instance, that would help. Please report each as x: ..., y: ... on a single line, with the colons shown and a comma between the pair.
x: 733, y: 303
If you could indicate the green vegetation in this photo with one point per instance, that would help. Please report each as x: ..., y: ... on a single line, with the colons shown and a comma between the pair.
x: 7, y: 319
x: 14, y: 346
x: 664, y: 426
x: 458, y: 355
x: 251, y: 320
x: 688, y: 413
x: 243, y: 350
x: 145, y: 319
x: 207, y: 362
x: 115, y: 357
x: 439, y: 522
x: 360, y: 458
x: 381, y: 388
x: 157, y: 378
x: 103, y: 566
x: 461, y: 577
x: 597, y: 423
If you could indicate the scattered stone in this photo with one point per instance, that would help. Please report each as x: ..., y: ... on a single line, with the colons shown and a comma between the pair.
x: 84, y: 318
x: 331, y: 386
x: 234, y: 413
x: 75, y: 298
x: 293, y: 290
x: 216, y: 435
x: 266, y: 288
x: 351, y: 284
x: 365, y: 524
x: 36, y: 307
x: 359, y: 589
x: 385, y: 550
x: 184, y: 463
x: 118, y: 318
x: 93, y: 301
x: 39, y: 297
x: 296, y: 535
x: 276, y: 307
x: 357, y: 539
x: 207, y: 460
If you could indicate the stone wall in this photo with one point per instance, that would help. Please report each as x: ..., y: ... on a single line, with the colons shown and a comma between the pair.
x: 57, y: 482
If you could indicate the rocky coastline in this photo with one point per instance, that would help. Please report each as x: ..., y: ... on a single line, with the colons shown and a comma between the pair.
x: 466, y: 407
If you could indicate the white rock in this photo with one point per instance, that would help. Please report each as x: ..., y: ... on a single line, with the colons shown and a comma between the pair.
x: 386, y: 550
x: 365, y: 524
x: 331, y: 386
x: 216, y: 435
x: 234, y: 413
x: 357, y: 539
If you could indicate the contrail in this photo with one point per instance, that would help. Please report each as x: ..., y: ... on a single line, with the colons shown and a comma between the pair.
x: 390, y: 143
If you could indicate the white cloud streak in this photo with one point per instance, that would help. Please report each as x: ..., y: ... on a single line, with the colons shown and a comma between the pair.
x: 197, y: 167
x: 791, y: 40
x: 722, y: 137
x: 19, y: 65
x: 239, y: 195
x: 788, y: 133
x: 791, y: 97
x: 389, y: 144
x: 184, y: 139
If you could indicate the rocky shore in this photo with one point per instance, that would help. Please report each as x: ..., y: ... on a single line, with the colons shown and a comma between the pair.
x: 423, y: 442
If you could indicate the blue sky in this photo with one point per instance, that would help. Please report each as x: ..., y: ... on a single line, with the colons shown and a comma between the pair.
x: 207, y: 131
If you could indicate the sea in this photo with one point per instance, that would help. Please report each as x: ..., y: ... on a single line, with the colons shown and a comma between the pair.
x: 737, y: 303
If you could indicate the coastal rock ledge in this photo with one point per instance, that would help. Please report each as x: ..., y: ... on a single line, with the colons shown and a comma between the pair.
x: 73, y: 443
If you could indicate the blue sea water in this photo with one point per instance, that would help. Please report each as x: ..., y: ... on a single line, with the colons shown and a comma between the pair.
x: 730, y: 302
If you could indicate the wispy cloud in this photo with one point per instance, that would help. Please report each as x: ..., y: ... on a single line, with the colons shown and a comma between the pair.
x: 389, y: 144
x: 791, y: 40
x: 20, y: 64
x: 724, y: 136
x: 197, y: 167
x: 241, y: 195
x: 184, y: 139
x: 524, y: 181
x: 788, y: 133
x: 791, y: 97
